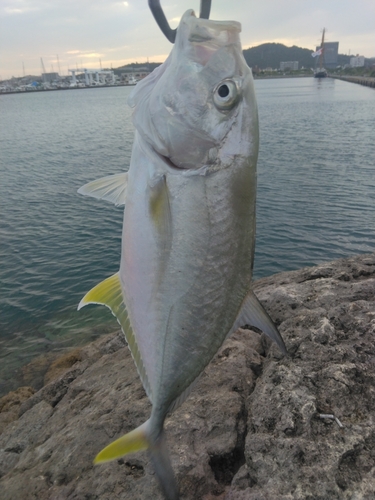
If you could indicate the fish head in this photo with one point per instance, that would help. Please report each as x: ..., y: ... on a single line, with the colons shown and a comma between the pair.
x: 198, y: 109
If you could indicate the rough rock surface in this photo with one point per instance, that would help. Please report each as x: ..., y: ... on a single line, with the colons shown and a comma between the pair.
x: 10, y: 405
x: 250, y: 430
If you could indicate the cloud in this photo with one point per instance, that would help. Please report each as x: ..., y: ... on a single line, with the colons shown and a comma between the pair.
x: 118, y: 30
x: 17, y: 7
x: 93, y: 54
x: 174, y: 20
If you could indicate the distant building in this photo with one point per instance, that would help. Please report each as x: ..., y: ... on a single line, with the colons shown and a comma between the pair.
x: 131, y: 73
x: 330, y: 55
x: 292, y: 65
x: 357, y: 61
x: 49, y: 77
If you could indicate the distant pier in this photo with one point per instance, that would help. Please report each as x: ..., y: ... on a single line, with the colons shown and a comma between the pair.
x: 367, y: 81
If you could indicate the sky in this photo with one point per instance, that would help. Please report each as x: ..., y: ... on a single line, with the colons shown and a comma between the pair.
x: 81, y: 33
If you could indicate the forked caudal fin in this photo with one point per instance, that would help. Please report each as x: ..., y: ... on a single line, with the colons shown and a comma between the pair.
x: 140, y: 439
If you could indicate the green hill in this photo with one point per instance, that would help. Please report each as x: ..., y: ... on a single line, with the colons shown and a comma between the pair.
x: 137, y: 66
x: 269, y: 55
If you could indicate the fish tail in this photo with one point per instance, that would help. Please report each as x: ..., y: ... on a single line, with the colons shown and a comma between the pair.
x: 139, y: 439
x: 159, y: 455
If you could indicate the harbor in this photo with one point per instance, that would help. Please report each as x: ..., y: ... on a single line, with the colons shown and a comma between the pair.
x: 53, y: 89
x: 78, y: 78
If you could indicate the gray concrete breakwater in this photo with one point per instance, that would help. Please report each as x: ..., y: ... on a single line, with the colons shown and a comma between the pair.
x: 367, y: 81
x: 257, y: 426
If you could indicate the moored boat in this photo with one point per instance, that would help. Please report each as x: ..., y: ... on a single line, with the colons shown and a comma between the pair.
x: 320, y: 71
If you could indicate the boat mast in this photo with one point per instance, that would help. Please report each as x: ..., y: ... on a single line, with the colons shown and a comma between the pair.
x: 322, y: 51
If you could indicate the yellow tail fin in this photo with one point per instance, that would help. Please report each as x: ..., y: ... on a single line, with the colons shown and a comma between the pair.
x: 141, y: 439
x: 135, y: 440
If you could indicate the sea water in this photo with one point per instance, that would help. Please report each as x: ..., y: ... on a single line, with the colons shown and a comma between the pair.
x: 316, y: 199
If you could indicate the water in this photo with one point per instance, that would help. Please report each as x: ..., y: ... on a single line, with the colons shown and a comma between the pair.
x: 316, y: 173
x: 316, y: 199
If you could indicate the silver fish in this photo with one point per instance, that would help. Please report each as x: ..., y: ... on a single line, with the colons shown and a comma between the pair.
x: 184, y: 283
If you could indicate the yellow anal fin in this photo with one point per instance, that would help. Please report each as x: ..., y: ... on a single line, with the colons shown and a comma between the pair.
x: 109, y: 293
x: 129, y: 443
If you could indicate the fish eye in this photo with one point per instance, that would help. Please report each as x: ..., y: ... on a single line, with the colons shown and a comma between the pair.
x: 226, y: 95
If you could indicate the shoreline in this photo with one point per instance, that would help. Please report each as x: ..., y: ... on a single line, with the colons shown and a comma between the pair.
x: 30, y: 91
x: 366, y: 81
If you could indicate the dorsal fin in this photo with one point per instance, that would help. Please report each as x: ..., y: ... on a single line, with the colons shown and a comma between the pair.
x: 111, y: 188
x: 109, y: 293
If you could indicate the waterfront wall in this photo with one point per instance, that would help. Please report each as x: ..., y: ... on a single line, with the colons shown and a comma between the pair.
x: 367, y: 81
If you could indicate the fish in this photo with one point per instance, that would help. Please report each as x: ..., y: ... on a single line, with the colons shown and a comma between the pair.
x: 185, y: 277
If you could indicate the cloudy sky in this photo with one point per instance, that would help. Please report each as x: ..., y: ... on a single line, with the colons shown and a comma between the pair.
x: 83, y: 32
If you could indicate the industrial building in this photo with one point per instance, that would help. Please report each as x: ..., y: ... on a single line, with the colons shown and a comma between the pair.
x: 132, y: 74
x: 49, y: 77
x: 357, y: 61
x: 330, y: 54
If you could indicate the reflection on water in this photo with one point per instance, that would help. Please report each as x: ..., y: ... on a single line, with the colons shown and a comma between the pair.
x: 315, y: 199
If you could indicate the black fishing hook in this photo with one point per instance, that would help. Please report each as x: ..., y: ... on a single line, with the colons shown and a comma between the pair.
x: 163, y: 24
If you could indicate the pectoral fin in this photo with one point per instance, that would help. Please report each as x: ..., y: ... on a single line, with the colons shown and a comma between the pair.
x: 111, y: 188
x: 159, y: 206
x: 160, y: 212
x: 252, y: 313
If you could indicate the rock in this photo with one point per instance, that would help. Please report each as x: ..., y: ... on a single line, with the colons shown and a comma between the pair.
x: 10, y: 404
x: 33, y: 373
x: 250, y: 430
x: 61, y: 364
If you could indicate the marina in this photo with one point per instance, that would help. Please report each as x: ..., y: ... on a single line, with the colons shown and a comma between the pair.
x: 52, y: 89
x: 79, y: 78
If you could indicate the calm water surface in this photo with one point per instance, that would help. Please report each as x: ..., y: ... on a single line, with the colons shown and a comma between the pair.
x: 316, y: 199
